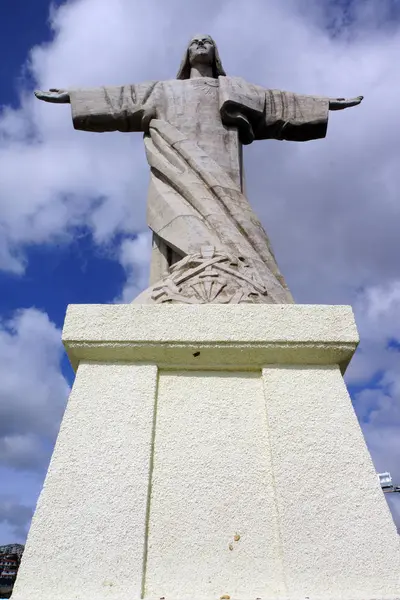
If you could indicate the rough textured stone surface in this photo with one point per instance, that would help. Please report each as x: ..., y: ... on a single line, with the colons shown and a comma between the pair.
x: 212, y: 444
x: 338, y: 539
x: 184, y: 479
x: 316, y: 323
x: 88, y: 533
x: 211, y: 336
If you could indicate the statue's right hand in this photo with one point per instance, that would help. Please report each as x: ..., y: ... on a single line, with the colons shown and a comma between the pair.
x: 53, y: 95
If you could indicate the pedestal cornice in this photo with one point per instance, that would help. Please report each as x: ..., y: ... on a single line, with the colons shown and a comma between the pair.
x: 211, y: 336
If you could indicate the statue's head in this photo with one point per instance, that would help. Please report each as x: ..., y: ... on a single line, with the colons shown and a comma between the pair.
x: 201, y: 50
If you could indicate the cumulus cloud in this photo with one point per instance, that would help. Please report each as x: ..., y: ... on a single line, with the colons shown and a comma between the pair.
x: 16, y: 516
x: 377, y: 309
x: 134, y: 257
x: 32, y: 392
x: 376, y: 365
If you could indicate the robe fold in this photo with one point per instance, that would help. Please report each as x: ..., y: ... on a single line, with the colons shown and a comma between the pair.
x: 193, y: 147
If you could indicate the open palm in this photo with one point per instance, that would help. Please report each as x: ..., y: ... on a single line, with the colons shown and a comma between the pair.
x: 53, y: 95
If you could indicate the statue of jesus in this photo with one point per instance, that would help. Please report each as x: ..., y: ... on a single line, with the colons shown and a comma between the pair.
x: 194, y: 128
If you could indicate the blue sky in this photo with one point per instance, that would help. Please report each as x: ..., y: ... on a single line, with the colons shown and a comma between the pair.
x: 72, y: 205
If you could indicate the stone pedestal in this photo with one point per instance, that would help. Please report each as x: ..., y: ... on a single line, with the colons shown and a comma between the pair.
x: 210, y: 451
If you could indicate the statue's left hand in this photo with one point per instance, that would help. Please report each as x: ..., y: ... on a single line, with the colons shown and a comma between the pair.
x: 54, y: 95
x: 341, y: 103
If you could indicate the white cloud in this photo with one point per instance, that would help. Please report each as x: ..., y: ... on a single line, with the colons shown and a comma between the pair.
x: 377, y: 310
x: 33, y: 391
x: 133, y: 257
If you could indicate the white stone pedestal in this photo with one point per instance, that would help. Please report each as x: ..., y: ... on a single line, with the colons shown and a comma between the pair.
x: 210, y: 451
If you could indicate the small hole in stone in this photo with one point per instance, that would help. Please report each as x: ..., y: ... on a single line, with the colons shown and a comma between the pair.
x: 196, y: 353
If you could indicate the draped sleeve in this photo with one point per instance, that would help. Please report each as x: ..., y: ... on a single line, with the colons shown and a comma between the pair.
x: 261, y: 113
x: 116, y: 108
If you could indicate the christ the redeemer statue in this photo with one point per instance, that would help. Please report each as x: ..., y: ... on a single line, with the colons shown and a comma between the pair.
x: 195, y: 126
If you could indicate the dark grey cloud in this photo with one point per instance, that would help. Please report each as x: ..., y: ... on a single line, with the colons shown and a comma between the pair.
x: 16, y: 516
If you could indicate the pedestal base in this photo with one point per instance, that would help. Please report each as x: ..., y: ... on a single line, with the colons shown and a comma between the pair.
x: 210, y: 451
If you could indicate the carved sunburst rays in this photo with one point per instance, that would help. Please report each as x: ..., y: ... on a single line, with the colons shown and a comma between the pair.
x: 209, y: 285
x: 211, y: 277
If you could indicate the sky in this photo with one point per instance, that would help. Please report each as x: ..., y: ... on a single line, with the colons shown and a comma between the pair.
x: 73, y: 204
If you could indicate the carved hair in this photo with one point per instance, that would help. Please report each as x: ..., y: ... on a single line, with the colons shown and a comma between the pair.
x: 184, y: 69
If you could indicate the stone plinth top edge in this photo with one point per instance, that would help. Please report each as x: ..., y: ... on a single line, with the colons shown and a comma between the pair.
x: 245, y: 335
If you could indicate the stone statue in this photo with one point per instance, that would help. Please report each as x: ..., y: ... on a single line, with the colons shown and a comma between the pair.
x: 208, y: 245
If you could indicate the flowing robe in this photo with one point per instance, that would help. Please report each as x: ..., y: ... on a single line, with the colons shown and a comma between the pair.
x: 194, y: 149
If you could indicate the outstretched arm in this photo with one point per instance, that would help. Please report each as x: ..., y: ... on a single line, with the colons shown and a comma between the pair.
x: 119, y: 108
x: 261, y: 113
x: 341, y: 103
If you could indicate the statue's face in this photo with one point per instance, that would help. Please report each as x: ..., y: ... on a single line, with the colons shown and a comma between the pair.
x: 201, y: 50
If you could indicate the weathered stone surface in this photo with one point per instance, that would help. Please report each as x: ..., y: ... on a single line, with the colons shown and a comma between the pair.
x: 195, y: 127
x: 209, y: 277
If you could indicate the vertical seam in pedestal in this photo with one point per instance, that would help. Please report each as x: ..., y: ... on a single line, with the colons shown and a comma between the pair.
x: 149, y: 488
x: 278, y: 521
